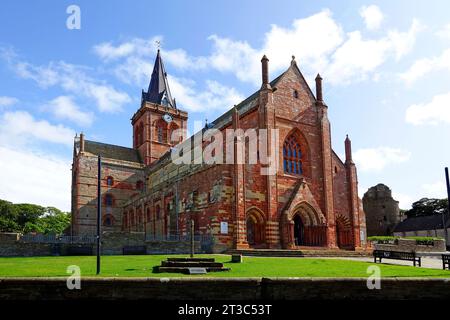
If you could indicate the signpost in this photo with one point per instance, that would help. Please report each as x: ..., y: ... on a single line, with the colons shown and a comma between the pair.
x: 99, y: 209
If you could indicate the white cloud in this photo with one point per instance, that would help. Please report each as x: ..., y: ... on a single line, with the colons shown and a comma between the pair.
x: 133, y: 47
x: 320, y: 32
x: 135, y: 71
x: 372, y: 15
x: 181, y: 60
x: 74, y: 79
x: 20, y: 128
x: 7, y: 101
x: 422, y: 67
x: 357, y: 58
x: 29, y: 177
x: 435, y: 190
x: 444, y: 33
x: 132, y: 66
x: 434, y: 112
x: 345, y: 57
x: 376, y: 159
x: 214, y: 97
x: 405, y: 201
x: 64, y: 107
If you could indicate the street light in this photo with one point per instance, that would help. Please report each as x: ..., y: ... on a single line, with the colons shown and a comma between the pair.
x: 99, y: 210
x: 444, y: 216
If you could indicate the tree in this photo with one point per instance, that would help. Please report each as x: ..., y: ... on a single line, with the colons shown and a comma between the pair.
x: 28, y: 213
x: 26, y: 218
x: 55, y: 221
x: 427, y: 206
x: 8, y: 217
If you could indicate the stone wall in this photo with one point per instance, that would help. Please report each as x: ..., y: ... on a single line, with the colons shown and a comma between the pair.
x: 223, y: 289
x: 409, y: 245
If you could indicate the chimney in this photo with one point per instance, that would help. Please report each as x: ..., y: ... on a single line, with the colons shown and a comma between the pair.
x: 82, y: 142
x: 319, y: 96
x: 265, y: 72
x: 348, y: 150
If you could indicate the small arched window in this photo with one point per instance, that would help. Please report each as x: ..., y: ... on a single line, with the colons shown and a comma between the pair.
x: 295, y: 94
x: 109, y: 181
x: 292, y: 156
x: 109, y: 200
x: 108, y: 220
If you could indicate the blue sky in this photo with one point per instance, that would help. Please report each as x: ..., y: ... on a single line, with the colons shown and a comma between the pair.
x: 385, y: 64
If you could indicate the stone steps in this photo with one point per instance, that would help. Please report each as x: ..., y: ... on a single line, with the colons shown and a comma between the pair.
x: 191, y: 259
x: 193, y: 264
x: 185, y: 270
x: 300, y: 253
x: 183, y: 265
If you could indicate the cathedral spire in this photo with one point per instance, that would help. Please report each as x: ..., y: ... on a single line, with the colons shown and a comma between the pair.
x: 158, y: 89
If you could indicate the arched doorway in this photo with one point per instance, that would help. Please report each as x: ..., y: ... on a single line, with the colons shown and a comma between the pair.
x: 299, y: 230
x: 255, y: 229
x: 308, y: 229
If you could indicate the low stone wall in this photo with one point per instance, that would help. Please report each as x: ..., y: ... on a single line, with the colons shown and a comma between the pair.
x: 223, y: 289
x: 112, y: 244
x: 409, y: 245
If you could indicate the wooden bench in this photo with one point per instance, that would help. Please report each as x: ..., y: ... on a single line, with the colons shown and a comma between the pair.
x: 446, y: 261
x: 134, y: 250
x: 397, y: 255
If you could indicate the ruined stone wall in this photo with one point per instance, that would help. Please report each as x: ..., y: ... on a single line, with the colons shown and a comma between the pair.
x: 382, y: 211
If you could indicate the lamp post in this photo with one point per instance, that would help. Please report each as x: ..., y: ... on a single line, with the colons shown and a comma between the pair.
x: 444, y: 216
x: 99, y: 210
x: 192, y: 238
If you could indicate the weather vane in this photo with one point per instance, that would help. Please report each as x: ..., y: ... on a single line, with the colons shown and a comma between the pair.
x: 158, y: 44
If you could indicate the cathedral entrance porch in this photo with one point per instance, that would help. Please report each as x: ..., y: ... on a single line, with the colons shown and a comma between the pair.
x: 302, y: 227
x: 308, y: 236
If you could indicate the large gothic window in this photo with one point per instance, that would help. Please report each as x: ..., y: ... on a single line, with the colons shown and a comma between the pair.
x: 292, y: 156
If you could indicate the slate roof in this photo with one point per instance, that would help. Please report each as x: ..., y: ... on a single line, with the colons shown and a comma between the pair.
x: 158, y: 89
x: 112, y: 151
x: 244, y: 106
x: 433, y: 222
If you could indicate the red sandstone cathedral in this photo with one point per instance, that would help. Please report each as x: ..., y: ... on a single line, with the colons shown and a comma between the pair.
x: 310, y: 201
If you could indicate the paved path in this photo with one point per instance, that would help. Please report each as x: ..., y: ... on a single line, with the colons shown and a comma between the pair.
x: 427, y: 262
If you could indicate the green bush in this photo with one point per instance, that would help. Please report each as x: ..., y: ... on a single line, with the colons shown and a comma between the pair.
x: 424, y: 238
x: 428, y: 241
x: 382, y: 238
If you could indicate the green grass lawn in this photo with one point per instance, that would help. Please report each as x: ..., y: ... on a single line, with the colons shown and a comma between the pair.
x: 141, y: 266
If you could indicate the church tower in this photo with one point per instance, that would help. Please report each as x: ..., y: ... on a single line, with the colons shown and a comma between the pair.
x: 157, y: 118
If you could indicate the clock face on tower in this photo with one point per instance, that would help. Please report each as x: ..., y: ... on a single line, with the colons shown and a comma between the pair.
x: 167, y: 118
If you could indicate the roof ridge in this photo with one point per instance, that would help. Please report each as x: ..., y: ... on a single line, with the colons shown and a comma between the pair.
x: 109, y: 144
